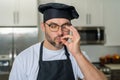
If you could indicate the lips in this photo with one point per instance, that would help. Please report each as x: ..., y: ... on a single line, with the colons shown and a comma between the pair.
x: 58, y: 39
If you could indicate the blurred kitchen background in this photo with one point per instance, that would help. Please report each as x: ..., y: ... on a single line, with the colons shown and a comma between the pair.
x: 98, y: 25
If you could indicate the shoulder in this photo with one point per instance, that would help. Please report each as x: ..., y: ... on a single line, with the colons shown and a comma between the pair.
x: 29, y: 53
x: 25, y: 63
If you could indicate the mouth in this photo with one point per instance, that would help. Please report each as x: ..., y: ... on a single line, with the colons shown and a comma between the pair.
x: 58, y: 39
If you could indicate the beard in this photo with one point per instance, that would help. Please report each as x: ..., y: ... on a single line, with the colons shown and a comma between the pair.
x: 55, y: 42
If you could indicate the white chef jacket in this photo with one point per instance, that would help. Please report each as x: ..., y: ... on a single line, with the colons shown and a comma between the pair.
x: 26, y: 64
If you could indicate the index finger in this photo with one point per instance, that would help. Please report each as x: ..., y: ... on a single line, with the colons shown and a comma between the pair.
x: 73, y: 30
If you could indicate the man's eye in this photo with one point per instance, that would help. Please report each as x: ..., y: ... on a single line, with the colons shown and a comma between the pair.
x: 53, y: 26
x: 67, y: 24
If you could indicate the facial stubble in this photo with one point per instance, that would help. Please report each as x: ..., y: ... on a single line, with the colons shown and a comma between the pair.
x: 53, y: 42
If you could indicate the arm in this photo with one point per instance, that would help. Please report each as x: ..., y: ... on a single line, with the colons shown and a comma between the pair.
x: 89, y: 71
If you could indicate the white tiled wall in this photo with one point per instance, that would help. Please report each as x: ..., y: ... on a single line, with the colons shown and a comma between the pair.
x: 95, y: 51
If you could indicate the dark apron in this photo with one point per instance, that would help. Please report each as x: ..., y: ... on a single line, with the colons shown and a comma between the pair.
x: 56, y: 69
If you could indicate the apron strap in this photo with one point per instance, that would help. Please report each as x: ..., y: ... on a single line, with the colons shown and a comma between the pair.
x: 41, y: 51
x: 66, y: 52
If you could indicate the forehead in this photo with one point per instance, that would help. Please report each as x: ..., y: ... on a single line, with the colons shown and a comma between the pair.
x: 58, y: 20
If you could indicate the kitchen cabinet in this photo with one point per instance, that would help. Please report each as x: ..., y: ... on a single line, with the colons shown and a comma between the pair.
x: 112, y: 22
x: 63, y: 1
x: 90, y: 11
x: 95, y: 12
x: 6, y: 12
x: 81, y: 7
x: 18, y: 12
x: 115, y: 75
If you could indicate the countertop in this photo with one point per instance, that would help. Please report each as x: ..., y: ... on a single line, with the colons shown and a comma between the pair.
x: 2, y: 73
x: 113, y: 66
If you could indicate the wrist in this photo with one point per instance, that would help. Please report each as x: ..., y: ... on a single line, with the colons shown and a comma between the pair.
x: 78, y: 54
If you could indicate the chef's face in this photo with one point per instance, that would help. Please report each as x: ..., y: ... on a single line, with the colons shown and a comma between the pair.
x: 55, y: 29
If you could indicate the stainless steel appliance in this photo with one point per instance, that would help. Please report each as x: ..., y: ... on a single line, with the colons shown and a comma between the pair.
x: 4, y: 67
x: 13, y: 40
x: 92, y: 35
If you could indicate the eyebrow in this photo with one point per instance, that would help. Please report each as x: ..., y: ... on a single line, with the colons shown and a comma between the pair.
x: 58, y: 24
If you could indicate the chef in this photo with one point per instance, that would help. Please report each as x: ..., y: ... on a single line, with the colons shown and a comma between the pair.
x: 58, y: 56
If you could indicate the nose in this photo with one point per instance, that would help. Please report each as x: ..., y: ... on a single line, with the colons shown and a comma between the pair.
x: 60, y: 32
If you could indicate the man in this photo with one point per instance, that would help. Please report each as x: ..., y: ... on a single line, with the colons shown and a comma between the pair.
x: 59, y: 56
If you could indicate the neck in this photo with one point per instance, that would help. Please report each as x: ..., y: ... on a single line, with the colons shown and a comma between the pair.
x: 49, y: 46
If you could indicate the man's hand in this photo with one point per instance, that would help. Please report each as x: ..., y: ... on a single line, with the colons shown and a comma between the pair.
x: 73, y: 44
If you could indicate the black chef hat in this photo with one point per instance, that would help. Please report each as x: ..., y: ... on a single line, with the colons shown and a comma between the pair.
x: 57, y: 10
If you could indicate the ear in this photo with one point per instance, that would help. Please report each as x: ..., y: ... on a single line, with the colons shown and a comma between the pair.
x: 42, y: 27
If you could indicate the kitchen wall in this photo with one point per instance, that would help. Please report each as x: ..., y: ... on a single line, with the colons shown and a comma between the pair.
x: 95, y: 51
